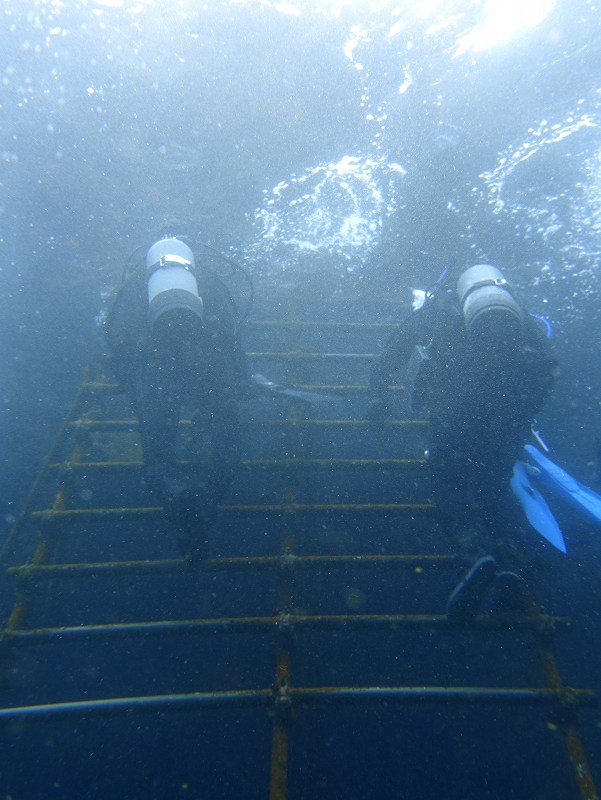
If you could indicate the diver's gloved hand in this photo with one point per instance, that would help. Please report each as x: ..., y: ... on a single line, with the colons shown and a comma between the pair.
x: 378, y: 410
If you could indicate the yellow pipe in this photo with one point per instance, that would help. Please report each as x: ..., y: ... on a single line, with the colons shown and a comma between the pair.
x: 50, y: 514
x: 116, y: 424
x: 306, y: 696
x: 286, y: 623
x: 257, y: 462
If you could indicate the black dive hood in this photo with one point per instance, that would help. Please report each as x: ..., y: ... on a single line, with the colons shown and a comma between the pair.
x: 485, y: 297
x: 172, y: 286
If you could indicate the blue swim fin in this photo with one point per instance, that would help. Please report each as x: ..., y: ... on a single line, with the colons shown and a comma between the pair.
x: 535, y: 507
x: 557, y: 480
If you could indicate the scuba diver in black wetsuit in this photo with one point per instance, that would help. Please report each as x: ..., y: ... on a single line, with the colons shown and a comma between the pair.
x: 173, y: 336
x: 480, y: 368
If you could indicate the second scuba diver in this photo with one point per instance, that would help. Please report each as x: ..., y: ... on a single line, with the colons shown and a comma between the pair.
x: 173, y: 335
x: 480, y: 369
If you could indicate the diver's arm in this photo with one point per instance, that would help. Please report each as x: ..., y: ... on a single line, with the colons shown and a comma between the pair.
x: 540, y: 366
x: 394, y: 357
x: 157, y: 402
x: 125, y: 330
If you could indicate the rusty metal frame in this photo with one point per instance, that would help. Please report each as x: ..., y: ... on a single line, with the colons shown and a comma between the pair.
x: 283, y: 697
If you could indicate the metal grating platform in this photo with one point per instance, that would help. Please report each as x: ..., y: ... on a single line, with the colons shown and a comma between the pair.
x: 312, y: 504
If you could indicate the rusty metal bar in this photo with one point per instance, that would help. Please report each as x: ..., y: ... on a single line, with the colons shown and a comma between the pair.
x: 49, y: 514
x: 40, y: 554
x: 303, y: 355
x: 282, y: 708
x: 331, y: 387
x: 149, y: 703
x: 531, y: 696
x: 54, y: 448
x: 567, y: 712
x: 258, y: 462
x: 286, y: 622
x: 344, y: 387
x: 568, y: 724
x: 579, y: 763
x: 132, y: 423
x: 170, y: 566
x: 278, y: 781
x: 296, y: 323
x: 302, y: 696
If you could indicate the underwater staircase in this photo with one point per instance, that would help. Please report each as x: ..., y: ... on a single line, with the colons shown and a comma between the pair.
x: 308, y: 657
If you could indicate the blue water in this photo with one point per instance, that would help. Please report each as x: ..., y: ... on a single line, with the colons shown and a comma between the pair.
x: 351, y: 151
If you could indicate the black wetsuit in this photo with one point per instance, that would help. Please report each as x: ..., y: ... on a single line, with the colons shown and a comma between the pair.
x: 481, y: 403
x: 200, y: 366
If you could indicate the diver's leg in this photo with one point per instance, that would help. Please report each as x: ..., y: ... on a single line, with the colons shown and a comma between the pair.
x: 198, y: 507
x: 226, y: 447
x: 451, y: 496
x: 452, y: 478
x: 499, y: 537
x: 158, y: 410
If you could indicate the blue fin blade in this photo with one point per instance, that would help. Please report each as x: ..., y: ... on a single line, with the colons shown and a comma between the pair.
x: 564, y: 485
x: 538, y: 513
